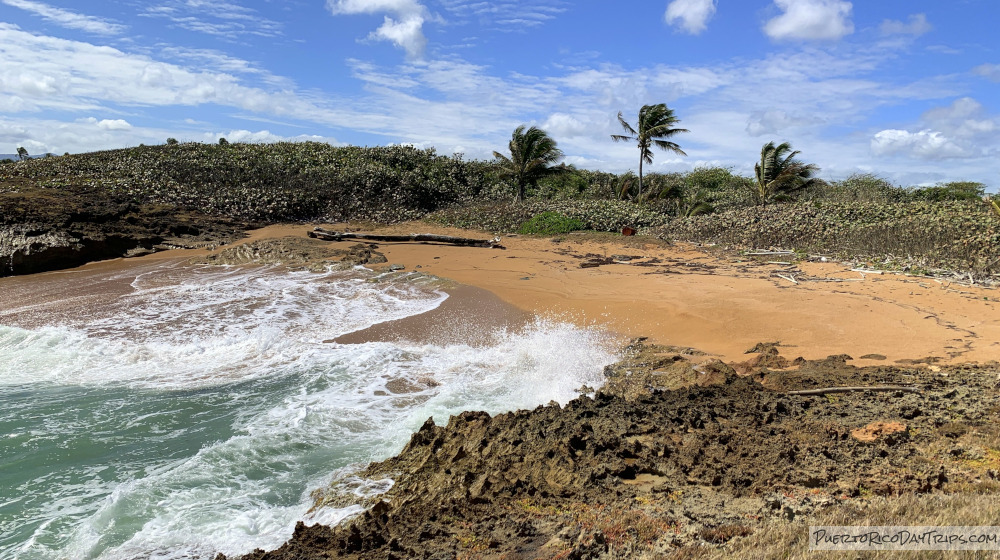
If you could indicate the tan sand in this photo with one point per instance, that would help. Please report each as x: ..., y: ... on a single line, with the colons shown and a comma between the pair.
x: 715, y: 304
x: 681, y: 295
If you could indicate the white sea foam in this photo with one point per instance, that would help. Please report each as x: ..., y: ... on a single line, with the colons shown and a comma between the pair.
x: 295, y: 412
x: 206, y: 327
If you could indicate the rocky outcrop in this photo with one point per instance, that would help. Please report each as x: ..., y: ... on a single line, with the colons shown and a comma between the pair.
x: 628, y: 474
x: 43, y: 230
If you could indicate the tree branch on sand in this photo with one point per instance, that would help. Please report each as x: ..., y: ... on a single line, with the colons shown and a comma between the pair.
x: 327, y: 235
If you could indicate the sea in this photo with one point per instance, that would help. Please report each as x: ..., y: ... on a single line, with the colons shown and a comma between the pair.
x: 171, y: 411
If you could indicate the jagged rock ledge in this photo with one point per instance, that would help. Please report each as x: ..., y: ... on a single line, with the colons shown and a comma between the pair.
x: 677, y: 450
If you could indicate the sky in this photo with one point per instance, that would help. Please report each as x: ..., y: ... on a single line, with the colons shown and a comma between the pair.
x: 906, y: 89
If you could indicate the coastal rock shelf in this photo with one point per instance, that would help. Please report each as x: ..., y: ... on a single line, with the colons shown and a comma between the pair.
x: 628, y: 473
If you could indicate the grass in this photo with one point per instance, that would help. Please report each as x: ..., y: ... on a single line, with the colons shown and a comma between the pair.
x: 789, y: 540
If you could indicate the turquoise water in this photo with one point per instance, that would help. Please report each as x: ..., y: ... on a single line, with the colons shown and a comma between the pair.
x: 195, y: 413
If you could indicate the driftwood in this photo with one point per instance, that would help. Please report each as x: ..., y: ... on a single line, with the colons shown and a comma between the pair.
x: 327, y: 235
x: 768, y: 253
x: 877, y: 389
x: 789, y: 278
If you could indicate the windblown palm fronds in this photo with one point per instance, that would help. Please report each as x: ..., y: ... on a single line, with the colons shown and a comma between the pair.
x: 654, y: 126
x: 778, y: 174
x: 532, y: 152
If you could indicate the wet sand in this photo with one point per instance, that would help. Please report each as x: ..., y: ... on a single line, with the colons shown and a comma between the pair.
x: 470, y: 316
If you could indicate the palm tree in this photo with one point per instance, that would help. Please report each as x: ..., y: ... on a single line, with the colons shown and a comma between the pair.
x: 778, y: 174
x: 654, y: 126
x: 532, y: 151
x: 624, y: 184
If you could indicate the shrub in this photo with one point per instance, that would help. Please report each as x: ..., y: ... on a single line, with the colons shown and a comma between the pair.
x: 550, y: 223
x: 957, y: 190
x: 957, y: 235
x: 860, y: 187
x: 599, y: 215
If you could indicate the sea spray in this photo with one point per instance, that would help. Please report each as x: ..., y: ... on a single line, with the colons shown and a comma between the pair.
x: 196, y: 414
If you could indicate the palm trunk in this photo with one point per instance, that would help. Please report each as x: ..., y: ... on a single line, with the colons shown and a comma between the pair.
x: 638, y: 198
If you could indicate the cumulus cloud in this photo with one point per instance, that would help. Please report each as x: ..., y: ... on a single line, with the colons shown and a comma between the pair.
x: 925, y: 144
x: 690, y: 15
x: 403, y: 27
x: 114, y: 124
x: 917, y: 25
x: 966, y: 119
x: 989, y: 71
x: 811, y: 20
x: 563, y: 125
x: 962, y: 129
x: 66, y: 18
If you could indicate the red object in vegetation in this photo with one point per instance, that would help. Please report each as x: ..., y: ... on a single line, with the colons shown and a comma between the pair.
x: 627, y: 231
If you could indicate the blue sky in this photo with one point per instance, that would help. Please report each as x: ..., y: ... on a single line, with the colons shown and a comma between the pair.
x: 906, y: 89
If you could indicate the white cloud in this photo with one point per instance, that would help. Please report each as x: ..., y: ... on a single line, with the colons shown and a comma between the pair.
x: 966, y: 119
x: 690, y: 15
x: 811, y: 20
x: 261, y: 136
x: 989, y: 71
x: 114, y: 124
x: 66, y: 18
x: 925, y: 144
x: 216, y: 17
x: 961, y: 130
x: 774, y: 121
x: 407, y: 34
x: 564, y: 125
x: 509, y: 15
x: 59, y: 74
x: 917, y: 25
x: 404, y: 27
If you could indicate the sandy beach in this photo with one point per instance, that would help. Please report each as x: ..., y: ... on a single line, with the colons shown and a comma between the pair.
x: 674, y: 294
x: 682, y: 295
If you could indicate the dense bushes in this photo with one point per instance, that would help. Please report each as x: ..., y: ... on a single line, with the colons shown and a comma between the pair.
x: 272, y: 182
x: 600, y: 215
x: 550, y: 223
x: 960, y: 235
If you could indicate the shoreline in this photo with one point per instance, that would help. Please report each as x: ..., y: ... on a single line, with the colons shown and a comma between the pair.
x: 680, y: 295
x: 672, y: 294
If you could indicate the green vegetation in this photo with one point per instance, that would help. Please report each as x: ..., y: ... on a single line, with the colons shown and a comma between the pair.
x: 778, y: 175
x: 959, y: 190
x: 654, y: 126
x: 22, y: 154
x: 550, y: 223
x: 864, y: 216
x: 260, y: 183
x: 532, y: 153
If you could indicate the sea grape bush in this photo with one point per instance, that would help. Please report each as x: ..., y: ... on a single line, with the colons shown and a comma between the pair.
x: 957, y: 235
x: 599, y: 215
x: 550, y: 223
x: 282, y: 181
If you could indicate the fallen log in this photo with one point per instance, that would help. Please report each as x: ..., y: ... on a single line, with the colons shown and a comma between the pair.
x: 768, y: 253
x: 877, y: 389
x: 327, y: 235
